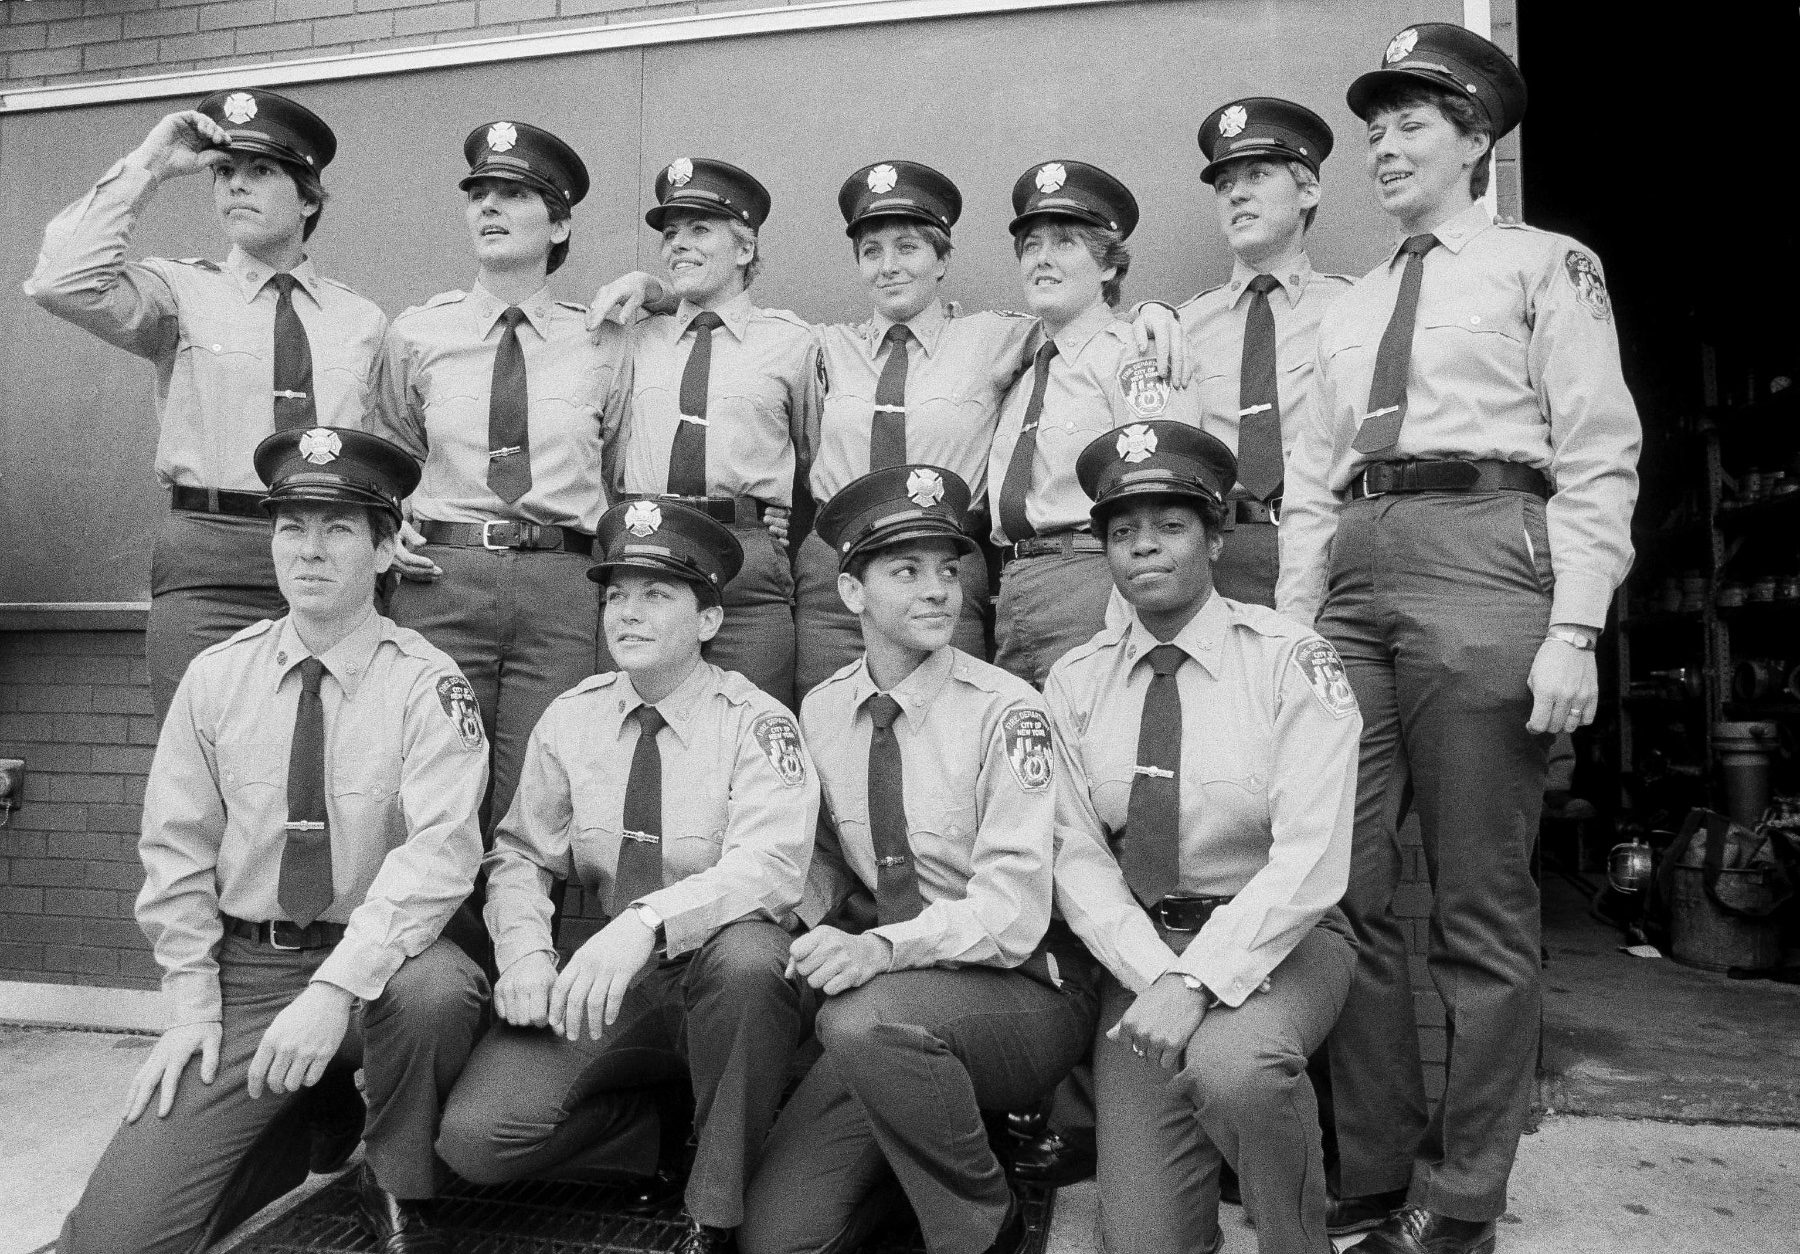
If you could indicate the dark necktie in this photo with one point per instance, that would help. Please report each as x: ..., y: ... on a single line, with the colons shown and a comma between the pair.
x: 1259, y: 396
x: 1152, y: 852
x: 509, y: 403
x: 1018, y: 471
x: 304, y: 891
x: 887, y: 435
x: 640, y: 869
x: 295, y: 409
x: 1393, y: 360
x: 687, y: 456
x: 897, y: 896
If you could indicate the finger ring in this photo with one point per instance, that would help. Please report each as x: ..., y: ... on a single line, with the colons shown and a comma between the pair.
x: 1138, y: 1050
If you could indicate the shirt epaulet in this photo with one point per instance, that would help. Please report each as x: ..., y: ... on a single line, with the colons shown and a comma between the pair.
x: 338, y: 283
x: 415, y: 645
x: 788, y: 316
x: 199, y: 263
x: 1012, y: 313
x: 260, y: 627
x: 1266, y: 622
x: 442, y: 298
x: 593, y: 683
x: 1106, y: 639
x: 572, y: 305
x: 1346, y: 279
x: 1199, y: 296
x: 990, y: 678
x: 740, y: 691
x: 839, y: 675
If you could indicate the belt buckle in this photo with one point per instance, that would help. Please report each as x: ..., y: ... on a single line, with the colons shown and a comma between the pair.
x: 487, y: 534
x: 1273, y: 505
x: 275, y: 926
x: 1364, y: 479
x: 1162, y: 916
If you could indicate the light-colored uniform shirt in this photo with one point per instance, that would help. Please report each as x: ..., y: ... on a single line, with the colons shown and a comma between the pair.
x: 977, y: 777
x: 1213, y: 323
x: 437, y: 376
x: 740, y: 802
x: 1514, y: 358
x: 209, y: 330
x: 1098, y: 381
x: 761, y: 383
x: 405, y: 768
x: 1269, y: 731
x: 957, y: 371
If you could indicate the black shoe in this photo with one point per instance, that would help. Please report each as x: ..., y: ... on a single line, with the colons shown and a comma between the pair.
x: 652, y: 1195
x: 1345, y: 1215
x: 1056, y: 1160
x: 1229, y: 1190
x: 1013, y: 1230
x: 397, y: 1226
x: 1415, y: 1230
x: 1027, y: 1125
x: 705, y: 1239
x: 334, y: 1115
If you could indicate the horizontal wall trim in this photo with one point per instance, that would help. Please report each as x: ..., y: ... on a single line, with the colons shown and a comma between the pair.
x: 75, y: 616
x: 667, y: 30
x: 78, y: 1006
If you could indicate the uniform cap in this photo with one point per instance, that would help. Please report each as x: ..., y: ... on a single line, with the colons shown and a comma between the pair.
x: 335, y: 464
x: 894, y: 504
x: 271, y: 124
x: 1455, y: 59
x: 708, y: 186
x: 899, y: 189
x: 668, y: 538
x: 525, y: 154
x: 1073, y: 189
x: 1160, y: 458
x: 1263, y: 126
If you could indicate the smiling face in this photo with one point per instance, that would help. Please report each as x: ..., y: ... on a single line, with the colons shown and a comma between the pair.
x: 1262, y: 208
x: 655, y: 625
x: 900, y: 268
x: 510, y: 226
x: 909, y: 593
x: 703, y: 256
x: 1161, y: 555
x: 326, y: 559
x: 1063, y: 280
x: 259, y: 204
x: 1420, y: 162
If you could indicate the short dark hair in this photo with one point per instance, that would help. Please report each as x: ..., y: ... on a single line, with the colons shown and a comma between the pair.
x: 1210, y: 513
x: 559, y: 252
x: 1107, y: 248
x: 936, y: 236
x: 1458, y: 110
x: 312, y: 192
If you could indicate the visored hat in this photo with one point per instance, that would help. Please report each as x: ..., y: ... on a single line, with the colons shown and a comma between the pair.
x: 525, y: 154
x: 269, y: 123
x: 1263, y: 126
x: 1158, y: 458
x: 668, y: 538
x: 894, y: 504
x: 1073, y: 189
x: 1455, y: 59
x: 335, y: 464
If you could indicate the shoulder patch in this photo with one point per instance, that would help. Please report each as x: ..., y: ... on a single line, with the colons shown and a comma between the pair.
x: 1590, y: 286
x: 780, y: 742
x: 1323, y: 671
x: 1027, y: 735
x: 1144, y: 392
x: 458, y: 700
x: 199, y: 263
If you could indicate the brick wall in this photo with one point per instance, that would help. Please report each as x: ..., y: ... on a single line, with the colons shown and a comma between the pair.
x: 76, y: 706
x: 72, y: 41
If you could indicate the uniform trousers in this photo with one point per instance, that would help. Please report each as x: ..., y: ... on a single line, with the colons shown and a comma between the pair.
x: 1241, y: 1096
x: 523, y: 626
x: 1248, y: 563
x: 1437, y: 603
x: 211, y: 576
x: 725, y: 1016
x: 1047, y: 606
x: 757, y: 640
x: 829, y: 637
x: 911, y: 1060
x: 159, y: 1180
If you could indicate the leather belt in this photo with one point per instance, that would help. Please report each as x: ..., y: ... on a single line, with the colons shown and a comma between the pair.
x: 1178, y: 913
x: 1243, y: 510
x: 194, y: 500
x: 733, y: 511
x: 1379, y: 478
x: 508, y: 533
x: 1062, y: 544
x: 285, y: 934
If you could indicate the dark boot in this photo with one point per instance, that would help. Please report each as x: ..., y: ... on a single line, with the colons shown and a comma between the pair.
x: 397, y: 1226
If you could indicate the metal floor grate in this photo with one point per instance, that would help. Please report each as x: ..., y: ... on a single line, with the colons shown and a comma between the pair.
x: 542, y: 1217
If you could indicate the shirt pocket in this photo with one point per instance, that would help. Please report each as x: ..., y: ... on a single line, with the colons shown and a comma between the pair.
x: 255, y: 769
x: 597, y: 826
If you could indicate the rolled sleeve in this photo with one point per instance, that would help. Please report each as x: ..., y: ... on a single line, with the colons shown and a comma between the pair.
x: 763, y: 859
x: 1005, y: 907
x: 422, y: 881
x: 183, y: 824
x: 1091, y: 891
x: 1595, y: 438
x: 1312, y: 802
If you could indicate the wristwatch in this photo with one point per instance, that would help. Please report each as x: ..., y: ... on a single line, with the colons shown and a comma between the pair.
x: 652, y: 920
x: 1195, y: 984
x: 1574, y: 639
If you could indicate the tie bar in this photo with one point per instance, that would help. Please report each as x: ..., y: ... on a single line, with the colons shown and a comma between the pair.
x: 1154, y: 772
